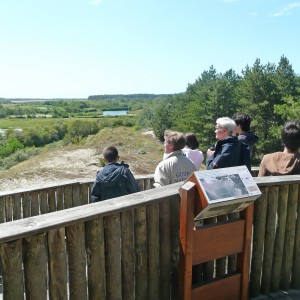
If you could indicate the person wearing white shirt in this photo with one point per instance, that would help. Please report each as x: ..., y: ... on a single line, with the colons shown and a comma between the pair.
x: 191, y: 150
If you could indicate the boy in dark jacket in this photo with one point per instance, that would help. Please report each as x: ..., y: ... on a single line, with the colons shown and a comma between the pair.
x: 114, y: 180
x: 243, y: 122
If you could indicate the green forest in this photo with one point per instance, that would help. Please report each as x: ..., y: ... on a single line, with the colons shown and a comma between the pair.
x: 270, y: 93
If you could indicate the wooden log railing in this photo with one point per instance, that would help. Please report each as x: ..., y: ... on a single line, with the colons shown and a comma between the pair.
x: 127, y: 247
x: 15, y: 205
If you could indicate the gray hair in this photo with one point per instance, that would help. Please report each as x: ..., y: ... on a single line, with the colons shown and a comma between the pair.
x: 227, y: 123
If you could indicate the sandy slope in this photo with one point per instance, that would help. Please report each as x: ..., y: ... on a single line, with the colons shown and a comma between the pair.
x: 75, y: 163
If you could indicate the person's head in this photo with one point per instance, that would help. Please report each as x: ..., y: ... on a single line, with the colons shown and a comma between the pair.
x: 110, y: 154
x: 191, y: 141
x: 290, y: 135
x: 224, y: 127
x: 242, y: 121
x: 173, y: 141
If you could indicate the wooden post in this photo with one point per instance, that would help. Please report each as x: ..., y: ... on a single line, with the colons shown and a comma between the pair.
x: 210, y: 242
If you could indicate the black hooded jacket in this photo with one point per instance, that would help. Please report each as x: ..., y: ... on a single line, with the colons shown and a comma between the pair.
x: 114, y: 180
x: 248, y: 138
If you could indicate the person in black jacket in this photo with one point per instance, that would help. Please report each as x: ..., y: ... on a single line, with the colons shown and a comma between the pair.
x: 114, y: 180
x: 242, y: 130
x: 228, y: 151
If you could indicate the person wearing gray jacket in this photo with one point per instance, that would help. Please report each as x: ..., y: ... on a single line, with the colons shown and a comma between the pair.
x: 175, y: 167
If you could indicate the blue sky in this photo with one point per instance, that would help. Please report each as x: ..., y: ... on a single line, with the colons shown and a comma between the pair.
x: 77, y: 48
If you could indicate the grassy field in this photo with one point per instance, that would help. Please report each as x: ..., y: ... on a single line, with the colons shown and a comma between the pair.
x: 13, y: 123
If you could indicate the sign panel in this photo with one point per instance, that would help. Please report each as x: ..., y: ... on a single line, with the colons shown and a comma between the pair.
x: 223, y: 191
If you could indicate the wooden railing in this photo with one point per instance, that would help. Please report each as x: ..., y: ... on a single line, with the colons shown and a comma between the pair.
x: 127, y: 247
x: 15, y: 205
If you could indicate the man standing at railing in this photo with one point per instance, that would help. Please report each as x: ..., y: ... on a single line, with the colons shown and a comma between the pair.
x: 114, y: 180
x: 175, y: 166
x: 286, y: 162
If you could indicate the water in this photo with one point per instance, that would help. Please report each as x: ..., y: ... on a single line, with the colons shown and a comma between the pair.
x: 115, y: 113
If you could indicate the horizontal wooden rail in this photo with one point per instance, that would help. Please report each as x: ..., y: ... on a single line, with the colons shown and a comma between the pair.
x: 26, y: 203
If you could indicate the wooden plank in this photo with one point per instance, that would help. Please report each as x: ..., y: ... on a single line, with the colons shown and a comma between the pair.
x: 44, y: 202
x: 128, y: 254
x: 35, y: 207
x: 165, y: 248
x: 76, y: 200
x: 289, y: 237
x: 8, y: 208
x: 96, y: 259
x: 279, y: 239
x: 12, y: 270
x: 153, y: 251
x: 26, y: 205
x: 141, y: 184
x: 68, y: 197
x: 259, y: 226
x: 295, y: 282
x: 2, y: 210
x: 60, y: 198
x: 223, y: 289
x: 186, y: 239
x: 243, y: 258
x: 232, y: 259
x: 175, y: 243
x: 77, y: 261
x: 221, y: 262
x: 51, y: 200
x: 84, y: 193
x: 277, y: 180
x: 17, y: 204
x: 270, y: 239
x: 58, y: 279
x: 113, y: 257
x: 141, y: 254
x: 35, y: 267
x: 209, y: 267
x: 217, y: 241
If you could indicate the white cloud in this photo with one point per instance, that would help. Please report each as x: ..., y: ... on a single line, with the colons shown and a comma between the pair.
x: 96, y: 2
x: 287, y: 10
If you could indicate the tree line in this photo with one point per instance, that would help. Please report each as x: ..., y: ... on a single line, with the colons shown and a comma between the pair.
x: 270, y: 93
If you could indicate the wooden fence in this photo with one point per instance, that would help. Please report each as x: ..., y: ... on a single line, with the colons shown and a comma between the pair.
x: 127, y: 247
x: 15, y: 205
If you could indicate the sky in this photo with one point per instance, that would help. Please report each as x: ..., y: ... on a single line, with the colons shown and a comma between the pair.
x: 78, y: 48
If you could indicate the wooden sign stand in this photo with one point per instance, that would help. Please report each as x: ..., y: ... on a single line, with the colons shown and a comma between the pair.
x: 211, y: 242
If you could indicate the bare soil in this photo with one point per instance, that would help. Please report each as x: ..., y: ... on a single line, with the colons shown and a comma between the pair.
x: 75, y: 163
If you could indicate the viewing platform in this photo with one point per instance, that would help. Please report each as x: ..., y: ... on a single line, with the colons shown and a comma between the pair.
x: 55, y: 245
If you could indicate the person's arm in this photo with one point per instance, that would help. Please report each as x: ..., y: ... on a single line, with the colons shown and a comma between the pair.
x: 133, y: 185
x: 221, y: 159
x: 262, y: 168
x: 209, y: 160
x: 96, y: 192
x: 161, y: 177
